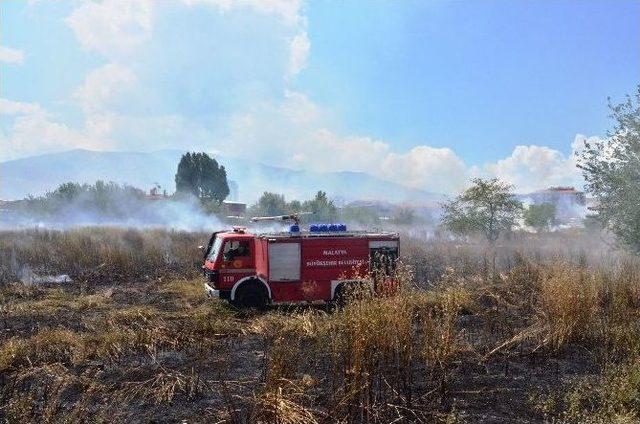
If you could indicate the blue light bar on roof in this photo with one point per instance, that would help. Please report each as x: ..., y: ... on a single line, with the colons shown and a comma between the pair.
x: 327, y: 228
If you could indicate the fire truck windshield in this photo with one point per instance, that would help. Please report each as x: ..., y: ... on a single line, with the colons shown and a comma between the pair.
x: 215, y: 249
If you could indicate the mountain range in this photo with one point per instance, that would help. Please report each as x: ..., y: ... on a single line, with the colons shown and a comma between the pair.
x: 36, y: 175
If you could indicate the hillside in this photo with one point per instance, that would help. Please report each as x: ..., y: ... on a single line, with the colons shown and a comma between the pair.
x: 37, y: 174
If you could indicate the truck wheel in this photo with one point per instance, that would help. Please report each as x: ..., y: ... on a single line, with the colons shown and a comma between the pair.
x: 347, y: 292
x: 250, y: 295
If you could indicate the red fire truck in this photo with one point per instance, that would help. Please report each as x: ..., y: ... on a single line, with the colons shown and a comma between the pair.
x: 318, y: 264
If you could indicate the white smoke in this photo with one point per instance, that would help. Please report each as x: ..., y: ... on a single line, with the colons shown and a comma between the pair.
x: 182, y: 214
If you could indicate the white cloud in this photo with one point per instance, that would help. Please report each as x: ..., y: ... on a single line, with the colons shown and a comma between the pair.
x: 298, y: 134
x: 299, y: 53
x: 9, y: 107
x: 112, y: 27
x: 533, y: 167
x: 295, y: 133
x: 9, y: 55
x: 33, y: 131
x: 103, y: 86
x: 425, y: 167
x: 299, y: 109
x: 288, y: 10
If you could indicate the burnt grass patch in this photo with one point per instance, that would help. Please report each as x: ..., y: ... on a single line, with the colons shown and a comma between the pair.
x: 539, y: 340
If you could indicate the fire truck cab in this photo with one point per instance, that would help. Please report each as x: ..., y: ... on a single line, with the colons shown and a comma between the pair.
x: 254, y: 270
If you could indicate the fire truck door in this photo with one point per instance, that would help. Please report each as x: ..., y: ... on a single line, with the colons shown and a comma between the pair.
x: 237, y: 262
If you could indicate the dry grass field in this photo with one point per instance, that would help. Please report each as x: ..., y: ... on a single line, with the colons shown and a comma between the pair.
x: 544, y: 329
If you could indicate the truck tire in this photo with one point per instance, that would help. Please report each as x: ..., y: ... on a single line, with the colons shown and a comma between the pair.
x: 346, y: 292
x: 251, y: 295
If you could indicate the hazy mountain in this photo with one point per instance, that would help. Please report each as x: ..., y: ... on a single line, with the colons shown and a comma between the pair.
x: 37, y: 174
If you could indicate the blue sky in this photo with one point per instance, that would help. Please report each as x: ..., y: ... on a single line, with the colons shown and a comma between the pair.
x: 474, y: 74
x: 426, y: 93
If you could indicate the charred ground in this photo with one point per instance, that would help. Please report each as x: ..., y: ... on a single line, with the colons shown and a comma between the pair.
x: 538, y: 331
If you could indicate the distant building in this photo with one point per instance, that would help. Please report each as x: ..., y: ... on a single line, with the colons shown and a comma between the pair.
x: 571, y: 204
x: 559, y: 194
x: 234, y: 209
x: 154, y: 194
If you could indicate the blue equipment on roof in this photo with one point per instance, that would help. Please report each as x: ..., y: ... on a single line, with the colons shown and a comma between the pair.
x: 327, y: 228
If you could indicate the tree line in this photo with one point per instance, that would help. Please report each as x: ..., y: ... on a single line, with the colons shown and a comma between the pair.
x: 610, y: 167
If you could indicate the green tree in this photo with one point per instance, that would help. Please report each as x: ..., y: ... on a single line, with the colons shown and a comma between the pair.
x: 295, y: 206
x: 488, y: 207
x: 104, y: 199
x: 200, y: 175
x: 541, y: 217
x: 270, y: 204
x: 321, y: 208
x: 404, y: 216
x: 359, y: 214
x: 67, y: 192
x: 611, y: 169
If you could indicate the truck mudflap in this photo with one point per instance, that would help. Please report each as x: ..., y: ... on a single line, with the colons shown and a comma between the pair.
x: 214, y: 293
x: 210, y: 291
